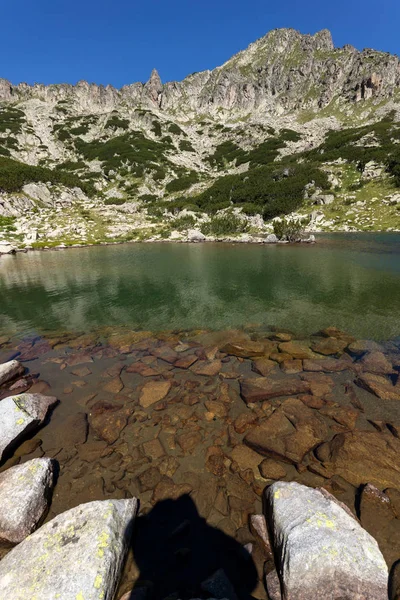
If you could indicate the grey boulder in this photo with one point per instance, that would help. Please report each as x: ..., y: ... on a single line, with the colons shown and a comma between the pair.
x: 195, y: 235
x: 24, y: 496
x: 10, y: 370
x: 78, y: 555
x: 320, y: 549
x: 21, y: 414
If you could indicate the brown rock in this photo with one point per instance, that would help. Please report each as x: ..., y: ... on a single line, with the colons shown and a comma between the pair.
x: 281, y: 337
x: 258, y: 527
x: 376, y: 362
x: 344, y: 415
x: 149, y: 479
x: 360, y: 347
x: 296, y: 349
x: 270, y: 469
x: 261, y: 388
x: 363, y: 457
x: 153, y: 449
x: 186, y: 361
x: 290, y: 432
x: 244, y: 349
x: 167, y: 489
x: 246, y: 458
x: 153, y: 392
x: 81, y: 372
x: 280, y: 357
x: 115, y: 386
x: 320, y: 384
x: 166, y: 353
x: 327, y: 365
x: 75, y: 429
x: 263, y: 366
x: 329, y: 346
x: 215, y: 461
x: 168, y: 466
x: 217, y: 408
x: 380, y: 386
x: 337, y: 333
x: 244, y: 422
x: 208, y: 368
x: 109, y: 420
x: 189, y: 441
x: 292, y: 367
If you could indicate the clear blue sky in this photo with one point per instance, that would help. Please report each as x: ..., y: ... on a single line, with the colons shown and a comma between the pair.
x: 120, y: 41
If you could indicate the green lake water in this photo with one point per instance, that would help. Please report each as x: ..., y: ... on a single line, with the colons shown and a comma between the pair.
x: 351, y: 281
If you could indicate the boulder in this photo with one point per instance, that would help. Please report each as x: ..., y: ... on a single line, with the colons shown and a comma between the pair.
x: 24, y: 497
x: 363, y: 457
x: 296, y: 349
x: 376, y: 362
x: 78, y: 555
x: 380, y: 386
x: 245, y: 349
x: 20, y: 415
x: 271, y: 239
x: 10, y: 370
x: 320, y: 549
x: 7, y: 248
x: 289, y: 433
x: 194, y: 235
x: 262, y: 388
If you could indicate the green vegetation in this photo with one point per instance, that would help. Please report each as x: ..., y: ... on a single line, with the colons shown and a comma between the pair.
x: 175, y: 129
x: 132, y: 150
x: 275, y: 189
x: 184, y: 222
x: 115, y: 122
x: 225, y: 224
x: 11, y: 119
x: 7, y: 224
x: 183, y: 183
x: 156, y: 129
x: 114, y: 201
x: 70, y: 165
x: 186, y: 146
x: 14, y: 175
x: 288, y: 229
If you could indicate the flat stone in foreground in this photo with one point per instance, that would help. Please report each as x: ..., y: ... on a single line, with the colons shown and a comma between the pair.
x: 24, y: 496
x: 21, y: 414
x: 320, y: 550
x: 10, y: 370
x: 78, y: 555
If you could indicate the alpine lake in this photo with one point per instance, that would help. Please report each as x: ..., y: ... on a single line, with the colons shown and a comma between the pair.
x: 212, y: 370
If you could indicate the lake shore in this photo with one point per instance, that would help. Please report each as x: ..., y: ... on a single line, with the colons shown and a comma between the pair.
x: 216, y: 415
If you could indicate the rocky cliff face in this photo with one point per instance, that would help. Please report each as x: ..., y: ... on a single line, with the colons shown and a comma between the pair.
x: 259, y: 134
x: 283, y: 71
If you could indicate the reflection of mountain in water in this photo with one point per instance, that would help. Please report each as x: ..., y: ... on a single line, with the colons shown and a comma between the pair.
x: 217, y: 286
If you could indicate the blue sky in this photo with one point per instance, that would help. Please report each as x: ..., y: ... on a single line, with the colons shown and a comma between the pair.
x: 120, y: 41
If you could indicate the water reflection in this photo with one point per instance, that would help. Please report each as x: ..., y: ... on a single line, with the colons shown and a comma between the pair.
x: 352, y: 282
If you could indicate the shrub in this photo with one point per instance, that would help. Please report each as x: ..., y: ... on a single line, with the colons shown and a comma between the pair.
x: 288, y: 229
x: 14, y: 175
x: 184, y: 222
x: 114, y: 201
x: 115, y: 122
x: 175, y: 129
x: 186, y: 146
x: 224, y: 224
x: 183, y: 183
x: 11, y: 119
x: 156, y: 129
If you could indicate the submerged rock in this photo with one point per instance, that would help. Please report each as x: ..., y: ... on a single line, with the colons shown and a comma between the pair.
x: 20, y: 415
x: 10, y: 370
x: 78, y: 555
x: 262, y: 388
x: 320, y: 550
x: 24, y: 496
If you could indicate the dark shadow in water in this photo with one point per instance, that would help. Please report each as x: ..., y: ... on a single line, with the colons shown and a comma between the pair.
x: 176, y: 550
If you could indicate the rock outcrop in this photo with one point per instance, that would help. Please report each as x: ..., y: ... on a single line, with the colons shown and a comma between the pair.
x: 20, y: 415
x: 10, y: 370
x: 78, y: 554
x: 320, y: 549
x: 24, y: 497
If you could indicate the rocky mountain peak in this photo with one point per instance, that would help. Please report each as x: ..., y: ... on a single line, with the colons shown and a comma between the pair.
x: 154, y: 87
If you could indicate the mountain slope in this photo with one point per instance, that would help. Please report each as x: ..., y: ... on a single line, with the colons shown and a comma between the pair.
x: 285, y: 125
